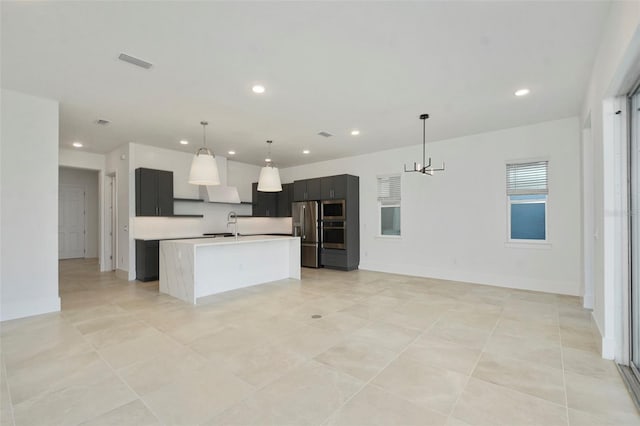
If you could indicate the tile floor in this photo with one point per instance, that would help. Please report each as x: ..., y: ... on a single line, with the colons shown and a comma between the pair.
x: 388, y: 350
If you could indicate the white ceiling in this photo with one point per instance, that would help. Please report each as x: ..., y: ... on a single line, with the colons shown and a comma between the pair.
x: 330, y: 66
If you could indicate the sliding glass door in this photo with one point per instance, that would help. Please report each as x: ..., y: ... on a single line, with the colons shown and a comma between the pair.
x: 634, y: 154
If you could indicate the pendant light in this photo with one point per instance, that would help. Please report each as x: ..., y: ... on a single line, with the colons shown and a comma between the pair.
x: 204, y: 170
x: 269, y: 180
x: 425, y: 167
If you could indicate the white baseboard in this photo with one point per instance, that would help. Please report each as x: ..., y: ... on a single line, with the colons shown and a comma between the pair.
x: 587, y: 301
x: 27, y: 308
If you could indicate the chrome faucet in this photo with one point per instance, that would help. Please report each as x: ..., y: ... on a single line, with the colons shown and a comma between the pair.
x: 232, y: 219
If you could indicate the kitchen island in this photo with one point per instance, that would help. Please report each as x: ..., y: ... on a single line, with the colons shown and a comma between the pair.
x: 191, y: 269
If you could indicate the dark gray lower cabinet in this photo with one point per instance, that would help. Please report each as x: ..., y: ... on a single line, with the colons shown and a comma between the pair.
x: 346, y: 260
x: 147, y: 260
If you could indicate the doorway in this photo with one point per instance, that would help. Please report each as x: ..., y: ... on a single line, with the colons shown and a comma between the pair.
x: 71, y: 222
x: 111, y: 224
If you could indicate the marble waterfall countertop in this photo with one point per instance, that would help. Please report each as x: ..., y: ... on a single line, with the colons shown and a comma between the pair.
x: 191, y: 269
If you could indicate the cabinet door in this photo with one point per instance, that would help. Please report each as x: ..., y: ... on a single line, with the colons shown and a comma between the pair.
x: 284, y: 200
x: 146, y: 192
x: 300, y: 190
x: 165, y: 193
x: 326, y: 188
x: 339, y: 187
x: 313, y: 189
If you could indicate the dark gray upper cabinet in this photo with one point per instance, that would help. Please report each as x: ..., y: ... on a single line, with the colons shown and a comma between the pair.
x: 307, y: 189
x: 285, y: 199
x: 265, y: 204
x: 154, y: 192
x: 334, y: 187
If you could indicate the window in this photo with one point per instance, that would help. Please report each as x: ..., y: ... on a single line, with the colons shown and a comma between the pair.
x: 527, y: 191
x: 389, y: 204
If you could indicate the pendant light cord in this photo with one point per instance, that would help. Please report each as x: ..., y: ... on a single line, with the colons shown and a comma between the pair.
x: 424, y: 158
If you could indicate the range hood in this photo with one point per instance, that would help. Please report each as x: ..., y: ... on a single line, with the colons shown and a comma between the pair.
x: 220, y: 193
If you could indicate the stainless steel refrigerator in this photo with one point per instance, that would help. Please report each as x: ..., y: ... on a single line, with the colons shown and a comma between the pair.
x: 305, y: 226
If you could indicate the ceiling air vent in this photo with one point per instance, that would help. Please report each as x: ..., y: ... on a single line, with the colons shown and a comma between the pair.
x: 102, y: 122
x: 135, y: 61
x: 325, y: 134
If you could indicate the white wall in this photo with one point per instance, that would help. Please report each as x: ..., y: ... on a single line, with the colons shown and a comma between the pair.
x: 29, y: 218
x: 87, y: 179
x: 454, y: 224
x: 618, y: 59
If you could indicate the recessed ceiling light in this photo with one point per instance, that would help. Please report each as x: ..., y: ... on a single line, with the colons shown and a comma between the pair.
x: 306, y: 151
x: 184, y: 142
x: 355, y: 132
x: 77, y: 144
x: 232, y: 153
x: 258, y: 88
x: 522, y: 92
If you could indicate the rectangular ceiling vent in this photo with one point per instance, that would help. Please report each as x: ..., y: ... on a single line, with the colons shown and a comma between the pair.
x: 325, y: 134
x: 102, y: 122
x: 135, y: 61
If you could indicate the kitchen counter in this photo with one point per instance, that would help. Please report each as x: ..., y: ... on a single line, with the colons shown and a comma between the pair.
x: 191, y: 269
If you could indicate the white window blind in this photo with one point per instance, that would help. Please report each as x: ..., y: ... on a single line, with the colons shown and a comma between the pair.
x: 389, y: 190
x: 527, y: 178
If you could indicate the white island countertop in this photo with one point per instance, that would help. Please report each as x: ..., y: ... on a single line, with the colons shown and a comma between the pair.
x: 242, y: 239
x: 195, y: 268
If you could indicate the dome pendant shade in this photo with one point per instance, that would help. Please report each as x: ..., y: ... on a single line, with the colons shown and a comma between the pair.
x: 269, y: 180
x: 204, y: 169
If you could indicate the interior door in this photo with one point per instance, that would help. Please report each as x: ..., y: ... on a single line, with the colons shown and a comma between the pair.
x: 71, y: 222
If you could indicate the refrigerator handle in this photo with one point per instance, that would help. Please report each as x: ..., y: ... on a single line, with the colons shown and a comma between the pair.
x: 304, y: 236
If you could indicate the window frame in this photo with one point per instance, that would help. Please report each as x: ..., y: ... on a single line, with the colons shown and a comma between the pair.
x: 514, y: 242
x: 379, y: 233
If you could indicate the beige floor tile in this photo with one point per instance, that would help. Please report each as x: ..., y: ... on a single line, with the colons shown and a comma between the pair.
x: 264, y: 363
x: 597, y: 395
x: 264, y: 336
x: 588, y: 363
x: 523, y: 376
x: 357, y: 357
x: 519, y: 328
x: 579, y: 339
x: 196, y: 396
x: 480, y: 320
x: 119, y: 333
x: 139, y: 349
x: 611, y: 418
x: 374, y: 406
x: 81, y: 369
x: 73, y: 404
x: 387, y: 335
x: 228, y: 342
x: 150, y: 374
x: 310, y: 341
x: 339, y: 322
x: 6, y: 408
x: 443, y: 353
x: 539, y: 351
x: 305, y: 396
x: 486, y: 404
x: 430, y: 387
x: 134, y: 413
x: 460, y: 334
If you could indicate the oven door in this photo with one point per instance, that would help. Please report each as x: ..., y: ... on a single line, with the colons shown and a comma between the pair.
x: 333, y: 210
x: 334, y: 235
